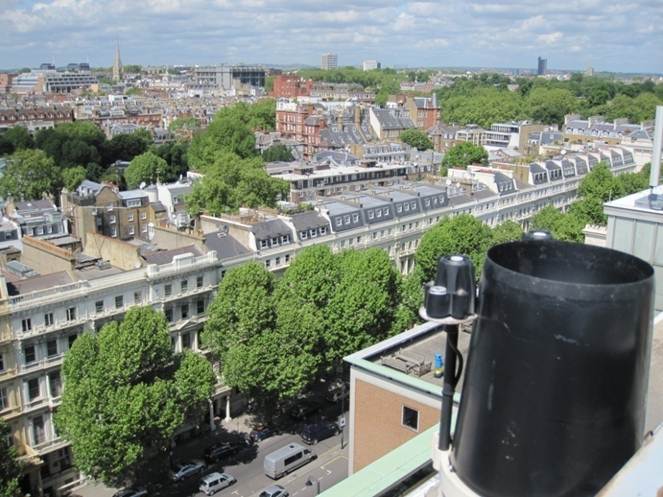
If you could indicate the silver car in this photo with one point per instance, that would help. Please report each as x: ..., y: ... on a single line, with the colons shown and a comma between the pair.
x: 187, y: 469
x: 212, y: 483
x: 274, y: 491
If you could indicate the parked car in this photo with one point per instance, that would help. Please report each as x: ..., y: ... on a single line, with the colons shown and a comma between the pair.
x: 304, y: 409
x: 184, y: 470
x: 313, y: 433
x: 274, y: 491
x: 261, y: 432
x: 131, y: 492
x: 214, y: 482
x: 219, y: 451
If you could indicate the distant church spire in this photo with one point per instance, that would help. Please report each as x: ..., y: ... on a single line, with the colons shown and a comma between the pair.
x: 117, y: 64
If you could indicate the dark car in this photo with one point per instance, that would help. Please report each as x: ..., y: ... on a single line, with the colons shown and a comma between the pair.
x: 261, y: 432
x: 304, y: 409
x: 315, y: 432
x: 219, y: 451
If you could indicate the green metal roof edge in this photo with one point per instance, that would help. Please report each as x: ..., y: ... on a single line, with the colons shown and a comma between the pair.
x: 388, y: 470
x: 400, y: 377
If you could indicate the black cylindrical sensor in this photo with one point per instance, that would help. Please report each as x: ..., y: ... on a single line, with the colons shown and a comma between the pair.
x: 553, y: 400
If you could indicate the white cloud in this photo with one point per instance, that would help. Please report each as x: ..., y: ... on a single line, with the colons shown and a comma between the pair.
x: 549, y: 38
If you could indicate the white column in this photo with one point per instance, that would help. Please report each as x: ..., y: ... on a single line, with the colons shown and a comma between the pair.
x: 228, y: 417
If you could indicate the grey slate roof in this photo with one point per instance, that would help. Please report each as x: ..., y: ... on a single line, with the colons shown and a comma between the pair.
x: 270, y: 229
x: 166, y: 256
x: 31, y: 205
x: 225, y: 246
x: 132, y: 194
x: 391, y: 120
x: 36, y: 283
x: 308, y: 220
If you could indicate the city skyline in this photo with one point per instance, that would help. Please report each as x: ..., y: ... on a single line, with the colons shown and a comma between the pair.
x: 398, y: 34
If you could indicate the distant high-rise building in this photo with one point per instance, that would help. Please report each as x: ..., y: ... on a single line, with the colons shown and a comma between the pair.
x: 117, y: 64
x: 329, y: 61
x: 542, y: 66
x: 589, y: 71
x: 369, y: 65
x: 47, y: 66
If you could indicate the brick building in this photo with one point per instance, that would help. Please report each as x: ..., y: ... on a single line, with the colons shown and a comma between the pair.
x: 424, y: 111
x: 291, y: 86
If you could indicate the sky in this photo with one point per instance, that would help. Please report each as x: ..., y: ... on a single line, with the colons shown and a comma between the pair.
x: 607, y: 35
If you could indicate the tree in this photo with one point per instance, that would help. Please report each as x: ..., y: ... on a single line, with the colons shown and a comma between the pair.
x: 10, y: 470
x: 508, y: 231
x: 464, y: 154
x: 73, y: 176
x: 231, y: 182
x: 146, y: 168
x: 29, y: 175
x: 411, y: 299
x: 550, y: 105
x: 175, y: 154
x: 126, y: 394
x: 563, y: 226
x: 126, y: 146
x: 417, y: 139
x: 361, y: 309
x: 72, y: 144
x: 597, y: 187
x: 179, y: 123
x: 278, y: 152
x: 15, y: 138
x: 462, y: 234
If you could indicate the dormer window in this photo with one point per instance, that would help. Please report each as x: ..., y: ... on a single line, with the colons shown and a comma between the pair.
x: 355, y: 218
x: 370, y: 215
x: 303, y: 235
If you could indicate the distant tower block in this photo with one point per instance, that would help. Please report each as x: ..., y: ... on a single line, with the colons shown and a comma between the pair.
x: 117, y: 64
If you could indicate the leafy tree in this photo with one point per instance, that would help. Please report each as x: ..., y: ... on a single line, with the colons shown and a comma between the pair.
x: 126, y: 146
x: 508, y: 231
x: 362, y: 309
x: 72, y: 144
x: 464, y: 154
x: 73, y: 176
x: 550, y: 105
x: 126, y: 394
x: 417, y: 139
x: 175, y: 154
x: 15, y: 138
x: 231, y: 182
x: 411, y: 299
x: 179, y: 123
x: 462, y: 234
x: 148, y: 168
x: 278, y: 152
x: 29, y: 175
x: 482, y: 106
x: 10, y: 470
x: 566, y: 227
x: 597, y: 187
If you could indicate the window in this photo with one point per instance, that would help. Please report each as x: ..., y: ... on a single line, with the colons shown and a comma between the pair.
x: 323, y: 230
x: 184, y: 285
x: 26, y: 324
x: 275, y: 242
x: 346, y: 219
x: 132, y: 230
x: 277, y: 260
x: 200, y: 306
x: 33, y: 389
x: 410, y: 418
x: 406, y: 206
x: 186, y: 340
x: 168, y: 311
x: 138, y: 297
x: 52, y: 348
x: 287, y: 258
x: 55, y: 383
x: 29, y: 354
x: 168, y: 289
x: 99, y: 306
x: 112, y: 219
x: 4, y: 403
x: 71, y: 314
x: 304, y: 234
x: 355, y: 218
x: 199, y: 282
x: 143, y: 216
x: 119, y: 301
x: 130, y: 218
x: 113, y: 232
x: 339, y: 222
x: 2, y: 362
x: 399, y: 208
x: 268, y: 263
x: 386, y: 211
x: 48, y: 319
x: 285, y: 239
x: 370, y: 214
x: 71, y: 339
x: 292, y: 458
x: 263, y: 244
x: 38, y: 432
x: 184, y: 311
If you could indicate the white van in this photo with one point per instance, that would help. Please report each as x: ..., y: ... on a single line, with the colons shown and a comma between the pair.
x: 287, y: 459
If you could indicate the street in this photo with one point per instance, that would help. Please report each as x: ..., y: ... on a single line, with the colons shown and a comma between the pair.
x: 329, y: 468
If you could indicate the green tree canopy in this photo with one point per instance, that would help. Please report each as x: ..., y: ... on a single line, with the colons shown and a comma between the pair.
x: 278, y: 152
x: 507, y: 231
x: 73, y: 176
x: 462, y: 234
x: 72, y: 144
x: 147, y: 167
x: 126, y: 394
x: 10, y: 470
x: 464, y: 154
x: 417, y: 139
x: 566, y: 227
x: 231, y: 182
x: 126, y: 146
x: 550, y: 105
x: 483, y: 106
x: 15, y: 138
x: 29, y: 175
